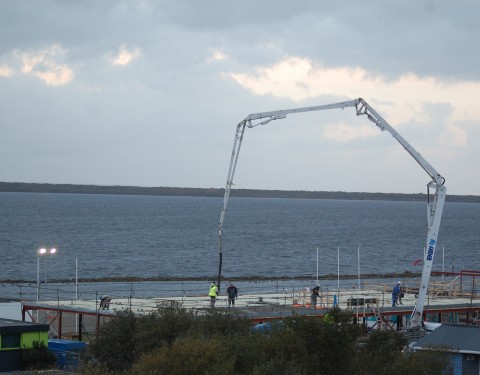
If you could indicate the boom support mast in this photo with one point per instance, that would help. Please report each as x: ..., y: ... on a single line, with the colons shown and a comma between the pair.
x: 434, y: 206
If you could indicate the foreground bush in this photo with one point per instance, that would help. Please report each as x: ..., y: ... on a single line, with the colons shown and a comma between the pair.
x: 174, y: 341
x: 435, y: 361
x: 125, y: 339
x: 188, y: 356
x: 37, y: 357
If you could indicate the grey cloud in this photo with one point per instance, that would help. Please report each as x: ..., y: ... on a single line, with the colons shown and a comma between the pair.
x: 389, y: 38
x: 172, y: 112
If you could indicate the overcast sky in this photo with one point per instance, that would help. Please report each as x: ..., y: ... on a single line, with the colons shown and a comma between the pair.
x: 149, y: 93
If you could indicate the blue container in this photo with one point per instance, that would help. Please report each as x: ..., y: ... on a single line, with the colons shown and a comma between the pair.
x: 67, y: 352
x: 262, y: 327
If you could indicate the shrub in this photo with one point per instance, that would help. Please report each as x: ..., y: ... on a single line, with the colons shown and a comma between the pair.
x: 221, y: 323
x: 425, y: 362
x: 114, y: 348
x: 187, y: 356
x: 37, y: 357
x: 162, y: 328
x: 173, y: 341
x: 328, y: 346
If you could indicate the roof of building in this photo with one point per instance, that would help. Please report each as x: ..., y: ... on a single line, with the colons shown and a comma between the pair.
x: 458, y: 337
x: 16, y: 326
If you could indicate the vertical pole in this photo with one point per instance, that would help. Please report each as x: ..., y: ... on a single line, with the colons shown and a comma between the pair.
x: 76, y: 278
x: 38, y: 277
x: 317, y: 265
x: 338, y: 276
x: 45, y: 283
x: 358, y: 261
x: 60, y: 317
x: 443, y: 261
x: 76, y: 297
x: 80, y: 323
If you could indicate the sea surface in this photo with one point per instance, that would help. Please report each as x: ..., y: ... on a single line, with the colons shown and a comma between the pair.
x: 148, y: 236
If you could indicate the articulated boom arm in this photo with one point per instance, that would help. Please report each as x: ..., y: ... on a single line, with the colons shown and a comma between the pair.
x: 364, y: 109
x: 434, y: 208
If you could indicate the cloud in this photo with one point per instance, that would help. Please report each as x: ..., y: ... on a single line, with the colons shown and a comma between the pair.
x: 124, y: 56
x: 43, y: 65
x: 287, y: 78
x: 139, y: 62
x: 218, y: 56
x: 454, y: 136
x: 345, y: 133
x: 299, y: 79
x: 5, y: 71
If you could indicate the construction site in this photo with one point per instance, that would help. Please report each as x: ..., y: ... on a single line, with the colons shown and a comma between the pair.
x: 451, y: 298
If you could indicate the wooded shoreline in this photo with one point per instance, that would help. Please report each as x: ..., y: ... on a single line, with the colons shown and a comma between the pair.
x: 20, y: 187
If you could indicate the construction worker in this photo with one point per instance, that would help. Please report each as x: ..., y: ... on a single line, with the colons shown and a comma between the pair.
x: 213, y: 293
x: 314, y: 296
x: 400, y: 293
x: 396, y: 294
x: 105, y: 302
x: 232, y: 292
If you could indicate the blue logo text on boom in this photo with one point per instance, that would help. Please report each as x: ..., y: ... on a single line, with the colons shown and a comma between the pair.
x: 431, y: 249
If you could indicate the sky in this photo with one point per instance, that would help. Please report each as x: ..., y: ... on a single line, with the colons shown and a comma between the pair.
x: 149, y: 93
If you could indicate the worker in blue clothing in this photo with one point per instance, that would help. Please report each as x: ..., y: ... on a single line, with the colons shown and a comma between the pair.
x: 400, y: 293
x: 397, y: 289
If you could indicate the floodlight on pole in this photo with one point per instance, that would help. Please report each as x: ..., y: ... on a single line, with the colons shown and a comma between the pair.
x: 41, y: 252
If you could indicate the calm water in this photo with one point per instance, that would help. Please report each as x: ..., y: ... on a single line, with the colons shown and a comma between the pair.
x: 177, y: 236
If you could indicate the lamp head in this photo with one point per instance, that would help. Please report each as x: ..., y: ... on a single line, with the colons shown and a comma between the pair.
x: 44, y: 251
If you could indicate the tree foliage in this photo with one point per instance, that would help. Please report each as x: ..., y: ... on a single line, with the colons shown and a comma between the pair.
x: 37, y: 357
x: 176, y: 341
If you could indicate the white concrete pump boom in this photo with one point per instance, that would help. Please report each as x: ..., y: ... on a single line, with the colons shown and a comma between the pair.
x: 434, y: 207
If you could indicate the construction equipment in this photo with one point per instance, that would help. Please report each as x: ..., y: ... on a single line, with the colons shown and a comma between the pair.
x: 434, y: 205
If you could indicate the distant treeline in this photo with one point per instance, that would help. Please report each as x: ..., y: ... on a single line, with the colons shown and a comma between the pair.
x: 216, y: 192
